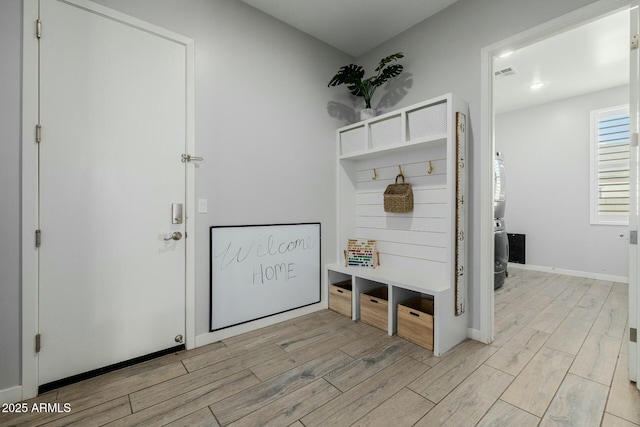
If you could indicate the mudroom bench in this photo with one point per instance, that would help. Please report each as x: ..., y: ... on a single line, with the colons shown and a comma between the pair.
x: 422, y: 250
x: 448, y: 331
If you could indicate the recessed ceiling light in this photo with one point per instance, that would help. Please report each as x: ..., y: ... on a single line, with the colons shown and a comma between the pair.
x: 506, y: 54
x: 536, y: 85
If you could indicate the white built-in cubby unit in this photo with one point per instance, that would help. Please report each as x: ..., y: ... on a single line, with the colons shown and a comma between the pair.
x: 421, y: 252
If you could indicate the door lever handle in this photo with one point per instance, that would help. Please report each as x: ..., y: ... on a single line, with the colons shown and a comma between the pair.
x: 176, y: 235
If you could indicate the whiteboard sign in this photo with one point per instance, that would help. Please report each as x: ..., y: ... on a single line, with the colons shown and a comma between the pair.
x: 261, y: 270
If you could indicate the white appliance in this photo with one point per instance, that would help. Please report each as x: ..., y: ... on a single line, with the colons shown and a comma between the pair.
x: 501, y: 240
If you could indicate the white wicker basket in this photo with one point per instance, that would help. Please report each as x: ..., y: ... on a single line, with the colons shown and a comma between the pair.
x: 430, y: 120
x: 386, y: 132
x: 352, y: 140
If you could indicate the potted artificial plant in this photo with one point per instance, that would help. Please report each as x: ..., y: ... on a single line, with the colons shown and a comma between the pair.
x: 352, y: 75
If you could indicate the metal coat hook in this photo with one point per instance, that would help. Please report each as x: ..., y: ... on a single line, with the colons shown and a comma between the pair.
x: 431, y: 168
x: 375, y: 174
x: 401, y: 170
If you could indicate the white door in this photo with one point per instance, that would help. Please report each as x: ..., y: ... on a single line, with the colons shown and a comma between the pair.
x: 113, y: 117
x: 634, y: 262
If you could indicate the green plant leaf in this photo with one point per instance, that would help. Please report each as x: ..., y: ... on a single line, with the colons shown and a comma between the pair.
x: 387, y: 73
x: 355, y: 89
x: 385, y: 61
x: 349, y: 74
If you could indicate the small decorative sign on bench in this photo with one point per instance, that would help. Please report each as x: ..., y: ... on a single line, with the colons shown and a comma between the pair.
x: 362, y: 253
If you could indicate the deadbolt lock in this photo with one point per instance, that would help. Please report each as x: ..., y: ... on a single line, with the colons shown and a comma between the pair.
x: 176, y: 213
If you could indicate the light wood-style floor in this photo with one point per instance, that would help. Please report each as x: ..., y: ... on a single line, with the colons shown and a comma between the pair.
x: 559, y: 358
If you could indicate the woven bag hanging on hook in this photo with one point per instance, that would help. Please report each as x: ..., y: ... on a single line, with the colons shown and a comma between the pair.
x: 398, y: 198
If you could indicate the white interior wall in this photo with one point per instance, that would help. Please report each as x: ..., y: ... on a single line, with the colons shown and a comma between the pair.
x: 261, y: 94
x: 10, y: 100
x: 546, y: 154
x: 265, y: 125
x: 442, y: 54
x: 261, y: 121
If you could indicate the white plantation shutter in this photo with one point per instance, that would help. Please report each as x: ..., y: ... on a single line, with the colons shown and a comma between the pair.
x: 610, y: 166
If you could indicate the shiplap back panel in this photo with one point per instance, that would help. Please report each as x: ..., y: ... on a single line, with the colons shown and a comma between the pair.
x: 416, y: 240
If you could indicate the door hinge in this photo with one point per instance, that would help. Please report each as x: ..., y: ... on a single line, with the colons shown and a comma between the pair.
x: 38, y: 134
x: 38, y: 28
x: 38, y: 238
x: 633, y: 335
x: 633, y: 237
x: 190, y: 158
x: 38, y: 346
x: 634, y: 139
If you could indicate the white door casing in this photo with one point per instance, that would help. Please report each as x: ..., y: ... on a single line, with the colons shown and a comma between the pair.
x: 634, y: 264
x: 116, y: 115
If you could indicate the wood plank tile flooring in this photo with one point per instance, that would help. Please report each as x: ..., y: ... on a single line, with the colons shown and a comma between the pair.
x: 559, y: 358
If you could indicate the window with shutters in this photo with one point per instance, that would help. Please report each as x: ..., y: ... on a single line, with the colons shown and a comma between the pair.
x: 610, y: 136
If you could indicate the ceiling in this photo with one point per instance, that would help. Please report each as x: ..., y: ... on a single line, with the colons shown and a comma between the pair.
x: 352, y: 26
x: 592, y: 57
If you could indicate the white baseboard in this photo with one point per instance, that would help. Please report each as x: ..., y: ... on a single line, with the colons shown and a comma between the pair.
x: 211, y: 337
x: 585, y: 274
x: 11, y: 395
x: 475, y: 334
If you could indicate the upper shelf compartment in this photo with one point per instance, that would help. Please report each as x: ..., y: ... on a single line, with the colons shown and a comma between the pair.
x: 418, y: 124
x: 427, y: 121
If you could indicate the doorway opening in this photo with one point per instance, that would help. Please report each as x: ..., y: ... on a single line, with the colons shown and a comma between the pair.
x: 503, y: 58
